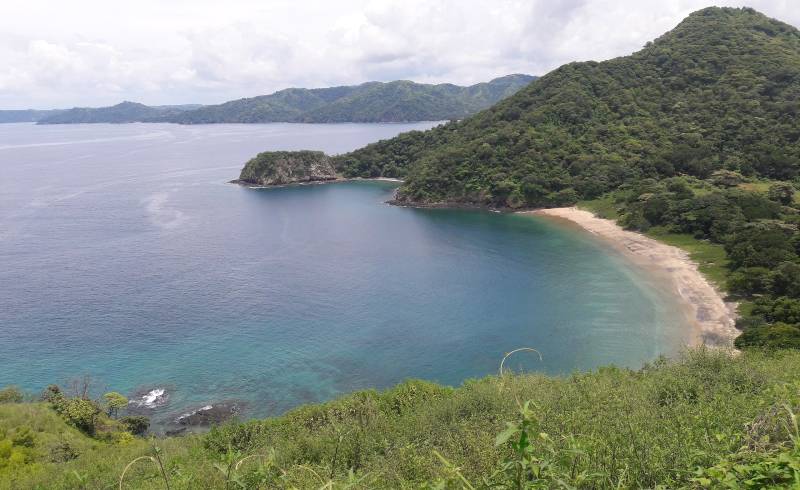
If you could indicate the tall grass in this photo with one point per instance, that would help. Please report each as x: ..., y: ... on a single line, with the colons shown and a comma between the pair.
x: 609, y: 428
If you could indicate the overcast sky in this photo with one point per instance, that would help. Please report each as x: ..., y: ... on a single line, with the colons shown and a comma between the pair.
x: 99, y: 52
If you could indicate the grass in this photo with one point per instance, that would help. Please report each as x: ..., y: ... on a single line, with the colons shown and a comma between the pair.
x: 610, y: 428
x: 711, y: 258
x: 603, y: 207
x: 762, y: 186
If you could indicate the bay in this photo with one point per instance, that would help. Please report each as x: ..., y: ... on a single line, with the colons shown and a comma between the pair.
x: 126, y: 255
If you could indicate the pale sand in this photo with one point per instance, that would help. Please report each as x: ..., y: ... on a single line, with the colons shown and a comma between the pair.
x: 711, y: 318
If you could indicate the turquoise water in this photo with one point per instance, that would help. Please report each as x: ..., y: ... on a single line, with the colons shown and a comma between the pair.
x: 126, y: 256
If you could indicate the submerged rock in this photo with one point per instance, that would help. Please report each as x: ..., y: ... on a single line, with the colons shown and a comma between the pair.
x: 287, y: 167
x: 181, y: 431
x: 148, y: 399
x: 210, y: 414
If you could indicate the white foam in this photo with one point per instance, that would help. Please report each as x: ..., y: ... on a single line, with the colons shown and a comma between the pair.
x: 152, y: 398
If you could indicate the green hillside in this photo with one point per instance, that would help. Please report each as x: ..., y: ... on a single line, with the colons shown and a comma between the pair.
x: 718, y: 91
x: 706, y: 420
x: 397, y: 101
x: 694, y: 139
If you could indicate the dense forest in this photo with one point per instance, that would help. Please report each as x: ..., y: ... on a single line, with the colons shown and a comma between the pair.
x: 697, y: 133
x: 397, y: 101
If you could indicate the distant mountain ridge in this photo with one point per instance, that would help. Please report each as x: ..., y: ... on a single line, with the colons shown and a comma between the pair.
x: 398, y: 101
x: 125, y: 112
x: 27, y: 115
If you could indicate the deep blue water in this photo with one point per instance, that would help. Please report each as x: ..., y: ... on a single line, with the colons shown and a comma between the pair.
x: 124, y: 254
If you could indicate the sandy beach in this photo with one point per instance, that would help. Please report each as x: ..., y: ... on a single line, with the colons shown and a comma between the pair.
x: 711, y: 318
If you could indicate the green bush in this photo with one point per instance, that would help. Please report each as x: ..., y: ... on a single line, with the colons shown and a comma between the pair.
x: 775, y: 336
x: 11, y: 394
x: 136, y: 424
x: 78, y: 412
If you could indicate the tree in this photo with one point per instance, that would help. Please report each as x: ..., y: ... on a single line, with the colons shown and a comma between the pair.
x: 776, y: 336
x: 114, y: 402
x: 136, y: 424
x: 79, y: 412
x: 726, y: 178
x: 782, y: 192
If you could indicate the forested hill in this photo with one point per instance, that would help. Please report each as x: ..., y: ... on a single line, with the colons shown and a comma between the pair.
x: 397, y: 101
x: 720, y: 91
x: 694, y: 139
x: 124, y: 112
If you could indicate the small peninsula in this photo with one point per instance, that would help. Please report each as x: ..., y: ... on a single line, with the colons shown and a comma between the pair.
x: 287, y: 167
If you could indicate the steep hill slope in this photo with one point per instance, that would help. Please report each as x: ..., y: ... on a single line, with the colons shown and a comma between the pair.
x: 369, y: 102
x: 720, y: 91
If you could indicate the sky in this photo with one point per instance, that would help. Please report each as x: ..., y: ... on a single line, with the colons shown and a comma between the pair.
x: 57, y: 54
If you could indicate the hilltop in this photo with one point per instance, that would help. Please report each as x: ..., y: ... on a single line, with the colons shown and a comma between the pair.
x: 718, y: 91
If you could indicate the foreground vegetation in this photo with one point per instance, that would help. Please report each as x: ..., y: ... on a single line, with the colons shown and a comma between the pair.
x: 708, y: 419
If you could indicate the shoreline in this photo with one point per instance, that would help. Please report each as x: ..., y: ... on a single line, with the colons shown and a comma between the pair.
x: 337, y: 180
x: 712, y: 318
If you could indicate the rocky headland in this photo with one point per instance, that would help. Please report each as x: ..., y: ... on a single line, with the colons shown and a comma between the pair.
x: 272, y: 168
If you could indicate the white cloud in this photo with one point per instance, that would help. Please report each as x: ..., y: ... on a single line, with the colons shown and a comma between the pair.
x: 95, y: 52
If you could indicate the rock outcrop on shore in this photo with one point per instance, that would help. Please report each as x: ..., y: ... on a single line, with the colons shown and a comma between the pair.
x: 287, y: 167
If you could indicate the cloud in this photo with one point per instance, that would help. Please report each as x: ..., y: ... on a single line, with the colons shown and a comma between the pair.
x: 93, y: 52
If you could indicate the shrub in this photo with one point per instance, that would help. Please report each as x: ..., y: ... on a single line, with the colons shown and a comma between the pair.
x: 782, y: 192
x: 23, y: 436
x: 11, y: 394
x: 62, y: 452
x: 136, y: 424
x: 78, y: 412
x: 775, y: 336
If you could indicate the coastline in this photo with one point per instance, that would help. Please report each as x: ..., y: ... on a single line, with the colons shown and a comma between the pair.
x: 712, y: 319
x: 337, y: 180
